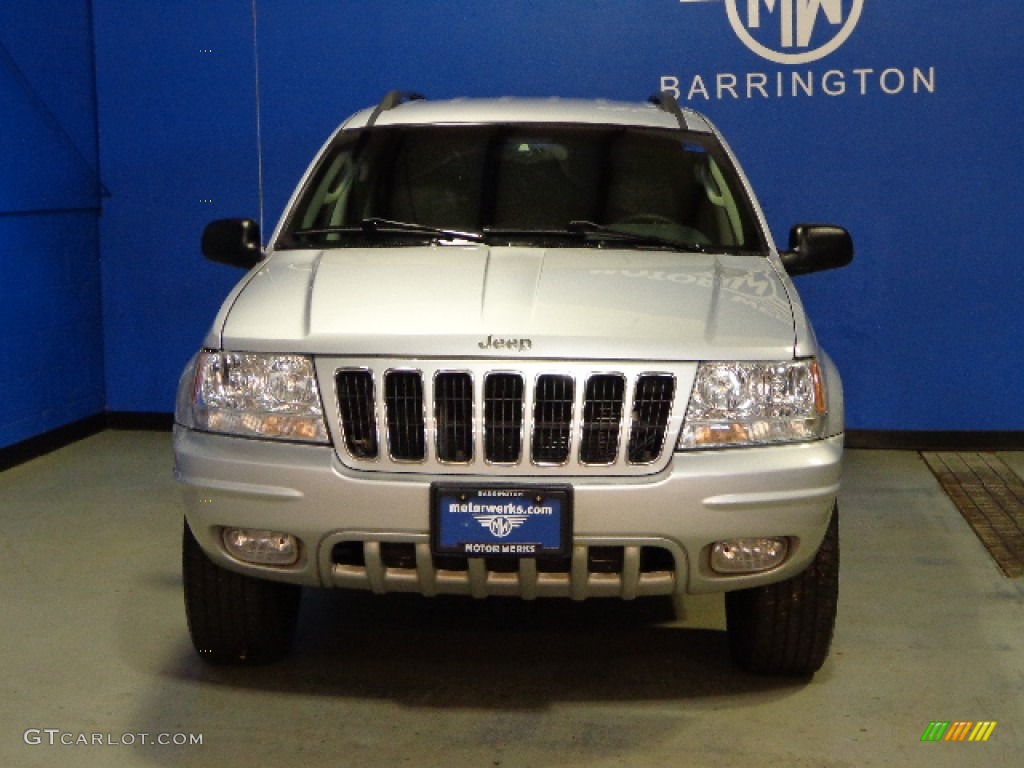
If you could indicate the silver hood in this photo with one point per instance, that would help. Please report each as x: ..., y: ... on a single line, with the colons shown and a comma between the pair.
x: 481, y: 301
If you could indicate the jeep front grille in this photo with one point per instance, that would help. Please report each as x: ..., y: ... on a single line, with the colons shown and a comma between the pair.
x: 401, y: 417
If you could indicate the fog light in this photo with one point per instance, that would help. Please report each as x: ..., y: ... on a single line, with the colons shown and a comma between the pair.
x: 748, y: 555
x: 261, y: 547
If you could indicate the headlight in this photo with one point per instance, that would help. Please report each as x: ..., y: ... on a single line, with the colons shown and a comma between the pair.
x: 745, y: 403
x: 271, y: 396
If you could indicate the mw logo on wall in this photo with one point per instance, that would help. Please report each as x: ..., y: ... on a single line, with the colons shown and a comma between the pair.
x: 800, y: 35
x: 793, y: 27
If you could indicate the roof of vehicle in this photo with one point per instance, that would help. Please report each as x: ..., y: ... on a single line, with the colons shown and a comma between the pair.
x: 394, y: 109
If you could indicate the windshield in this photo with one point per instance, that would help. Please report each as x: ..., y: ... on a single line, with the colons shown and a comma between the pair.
x: 536, y: 184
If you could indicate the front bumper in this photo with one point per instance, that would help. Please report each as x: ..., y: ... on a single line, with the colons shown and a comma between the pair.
x: 700, y: 498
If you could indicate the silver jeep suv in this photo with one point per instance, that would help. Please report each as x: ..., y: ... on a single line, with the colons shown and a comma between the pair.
x: 534, y: 348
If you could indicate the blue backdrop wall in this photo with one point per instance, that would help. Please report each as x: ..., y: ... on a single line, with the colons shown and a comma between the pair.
x: 897, y: 120
x: 51, y: 330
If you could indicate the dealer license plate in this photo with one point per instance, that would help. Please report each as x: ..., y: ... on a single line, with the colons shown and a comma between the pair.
x: 501, y: 521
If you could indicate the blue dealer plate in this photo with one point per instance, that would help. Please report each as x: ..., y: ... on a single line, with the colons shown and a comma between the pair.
x: 501, y: 521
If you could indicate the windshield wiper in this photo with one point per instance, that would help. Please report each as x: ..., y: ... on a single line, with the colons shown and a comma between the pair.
x: 387, y: 225
x: 376, y: 225
x: 516, y: 232
x: 592, y: 228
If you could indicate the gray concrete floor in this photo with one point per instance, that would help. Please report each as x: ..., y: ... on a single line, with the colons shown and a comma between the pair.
x: 93, y: 641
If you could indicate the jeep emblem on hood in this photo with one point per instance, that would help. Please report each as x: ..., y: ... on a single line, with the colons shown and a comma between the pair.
x: 519, y: 345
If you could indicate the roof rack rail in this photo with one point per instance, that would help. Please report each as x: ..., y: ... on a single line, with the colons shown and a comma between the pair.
x: 666, y: 101
x: 391, y: 100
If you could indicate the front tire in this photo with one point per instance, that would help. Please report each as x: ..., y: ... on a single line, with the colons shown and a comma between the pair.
x: 786, y: 628
x: 233, y: 618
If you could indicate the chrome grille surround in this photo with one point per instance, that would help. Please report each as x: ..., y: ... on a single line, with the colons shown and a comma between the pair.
x: 486, y: 417
x: 554, y: 401
x: 455, y: 416
x: 356, y: 406
x: 654, y: 394
x: 503, y: 418
x: 405, y: 415
x: 601, y: 428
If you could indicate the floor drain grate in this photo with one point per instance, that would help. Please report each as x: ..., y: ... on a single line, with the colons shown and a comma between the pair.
x: 990, y: 496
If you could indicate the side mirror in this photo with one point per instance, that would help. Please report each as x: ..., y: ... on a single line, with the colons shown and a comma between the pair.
x: 817, y: 247
x: 235, y: 242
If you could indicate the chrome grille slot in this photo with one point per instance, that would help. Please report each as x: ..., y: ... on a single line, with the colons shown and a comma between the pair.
x: 503, y: 418
x: 552, y: 420
x: 602, y: 418
x: 358, y: 413
x: 453, y: 412
x: 652, y: 405
x: 403, y: 399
